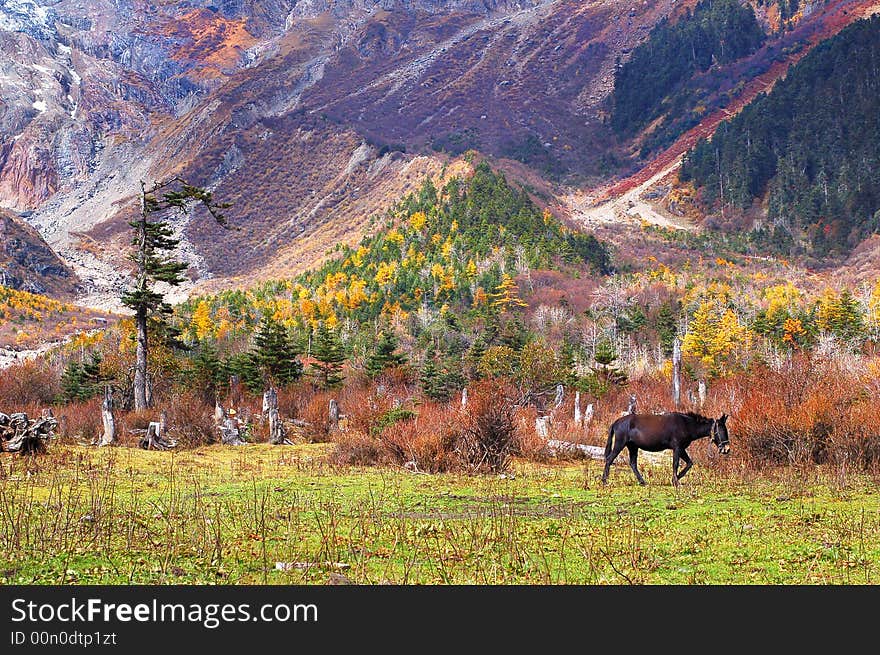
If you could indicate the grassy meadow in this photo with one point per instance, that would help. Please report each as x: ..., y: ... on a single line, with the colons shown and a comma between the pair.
x: 227, y: 515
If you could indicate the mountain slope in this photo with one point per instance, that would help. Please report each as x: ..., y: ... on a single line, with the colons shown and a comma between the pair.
x: 810, y: 147
x: 28, y: 264
x: 308, y: 117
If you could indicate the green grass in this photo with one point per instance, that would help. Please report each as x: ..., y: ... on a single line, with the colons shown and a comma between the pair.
x: 224, y: 515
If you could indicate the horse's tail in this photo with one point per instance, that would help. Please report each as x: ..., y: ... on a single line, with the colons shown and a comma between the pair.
x: 610, y: 440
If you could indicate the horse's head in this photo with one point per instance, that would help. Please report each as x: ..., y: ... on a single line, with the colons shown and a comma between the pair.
x: 719, y: 435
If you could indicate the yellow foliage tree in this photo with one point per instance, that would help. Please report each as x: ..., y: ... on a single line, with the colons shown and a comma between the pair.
x: 506, y: 295
x: 202, y: 323
x: 417, y: 221
x: 713, y: 334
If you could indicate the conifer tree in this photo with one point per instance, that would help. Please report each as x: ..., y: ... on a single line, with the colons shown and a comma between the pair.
x: 82, y: 380
x: 153, y: 240
x: 429, y: 378
x: 329, y: 357
x: 206, y: 372
x: 275, y: 352
x: 385, y: 354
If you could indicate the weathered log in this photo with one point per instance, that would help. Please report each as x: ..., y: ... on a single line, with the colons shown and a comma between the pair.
x: 107, y: 419
x: 588, y: 414
x: 542, y: 426
x: 270, y: 400
x: 557, y: 447
x: 277, y: 433
x: 560, y: 394
x: 334, y: 415
x: 24, y: 436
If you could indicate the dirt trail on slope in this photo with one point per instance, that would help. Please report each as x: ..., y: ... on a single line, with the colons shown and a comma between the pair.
x: 623, y: 200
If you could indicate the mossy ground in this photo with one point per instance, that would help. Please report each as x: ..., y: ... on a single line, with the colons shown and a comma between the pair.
x: 224, y: 515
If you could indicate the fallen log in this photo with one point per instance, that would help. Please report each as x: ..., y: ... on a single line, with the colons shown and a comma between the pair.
x: 558, y: 447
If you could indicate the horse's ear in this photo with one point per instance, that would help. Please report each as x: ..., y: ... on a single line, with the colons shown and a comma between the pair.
x: 723, y: 418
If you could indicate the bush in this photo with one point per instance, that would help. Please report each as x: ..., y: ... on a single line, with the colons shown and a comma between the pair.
x: 481, y: 438
x: 811, y: 411
x: 190, y: 421
x: 28, y: 383
x: 488, y: 437
x: 80, y: 421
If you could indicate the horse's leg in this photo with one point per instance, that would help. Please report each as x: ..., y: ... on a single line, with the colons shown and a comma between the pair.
x: 687, y: 464
x: 634, y: 462
x: 619, y: 442
x: 675, y: 461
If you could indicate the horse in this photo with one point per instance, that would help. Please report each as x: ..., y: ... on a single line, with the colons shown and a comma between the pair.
x: 656, y: 432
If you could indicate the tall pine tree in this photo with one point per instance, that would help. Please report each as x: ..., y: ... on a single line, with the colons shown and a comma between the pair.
x: 153, y: 241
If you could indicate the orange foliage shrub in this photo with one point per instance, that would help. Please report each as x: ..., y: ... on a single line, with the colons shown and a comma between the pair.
x: 480, y: 438
x: 28, y: 383
x: 80, y: 421
x: 812, y: 411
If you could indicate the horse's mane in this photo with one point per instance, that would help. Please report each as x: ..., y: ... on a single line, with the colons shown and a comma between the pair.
x: 694, y: 416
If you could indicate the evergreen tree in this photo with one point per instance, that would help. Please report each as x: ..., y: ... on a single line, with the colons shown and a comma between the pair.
x: 429, y: 378
x: 246, y: 367
x: 605, y: 374
x: 667, y: 328
x: 384, y: 356
x: 206, y: 372
x: 82, y: 380
x: 153, y: 240
x: 275, y: 352
x: 329, y: 357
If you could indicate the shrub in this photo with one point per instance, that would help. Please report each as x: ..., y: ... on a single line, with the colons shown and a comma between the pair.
x: 489, y: 433
x: 29, y: 383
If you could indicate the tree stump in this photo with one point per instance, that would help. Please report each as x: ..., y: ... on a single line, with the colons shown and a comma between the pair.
x: 542, y: 426
x: 229, y: 433
x: 107, y: 419
x: 154, y: 439
x: 560, y: 394
x: 676, y: 373
x: 334, y: 415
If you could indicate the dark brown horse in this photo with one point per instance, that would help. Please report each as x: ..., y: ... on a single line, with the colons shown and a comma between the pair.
x: 655, y: 432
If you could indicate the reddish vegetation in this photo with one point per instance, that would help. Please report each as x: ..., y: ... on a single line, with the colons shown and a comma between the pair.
x: 215, y: 42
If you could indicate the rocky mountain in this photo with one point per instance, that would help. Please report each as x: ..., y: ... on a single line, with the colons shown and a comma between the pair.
x: 28, y: 264
x: 309, y: 117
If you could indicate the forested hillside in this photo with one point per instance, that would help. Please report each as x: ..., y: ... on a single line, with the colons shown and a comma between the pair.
x: 651, y: 82
x: 810, y: 150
